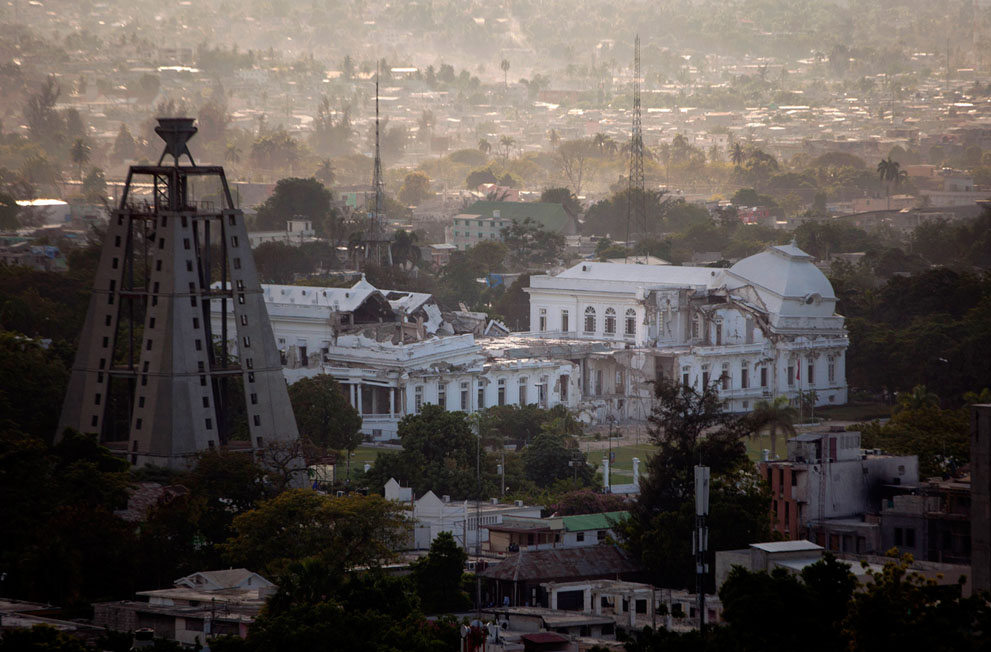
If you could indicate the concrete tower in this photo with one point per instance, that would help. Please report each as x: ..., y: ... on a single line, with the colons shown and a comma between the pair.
x: 150, y: 377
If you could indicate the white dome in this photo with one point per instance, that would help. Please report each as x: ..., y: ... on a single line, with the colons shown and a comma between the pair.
x: 787, y: 271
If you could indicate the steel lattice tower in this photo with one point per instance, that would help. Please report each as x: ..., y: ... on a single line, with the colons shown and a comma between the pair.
x: 636, y: 207
x: 151, y: 376
x: 377, y: 247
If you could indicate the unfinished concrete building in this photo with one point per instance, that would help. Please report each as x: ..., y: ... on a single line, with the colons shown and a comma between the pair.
x: 147, y: 376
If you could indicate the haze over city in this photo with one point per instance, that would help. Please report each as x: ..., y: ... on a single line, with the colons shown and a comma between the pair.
x: 522, y: 325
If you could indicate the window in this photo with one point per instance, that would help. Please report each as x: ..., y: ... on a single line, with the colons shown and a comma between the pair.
x: 610, y: 321
x: 158, y: 265
x: 417, y: 399
x: 137, y: 424
x: 542, y: 320
x: 620, y: 389
x: 151, y: 323
x: 96, y: 400
x: 464, y: 397
x: 601, y: 536
x: 189, y: 265
x: 791, y: 376
x: 811, y: 373
x: 247, y: 344
x: 304, y: 359
x: 148, y: 345
x: 831, y: 372
x: 725, y: 380
x: 234, y: 241
x: 763, y: 376
x: 254, y: 399
x: 522, y: 383
x: 542, y: 391
x: 744, y: 376
x: 244, y: 321
x: 696, y: 327
x: 564, y: 321
x: 209, y: 424
x: 202, y: 381
x: 580, y: 537
x: 481, y: 396
x: 705, y: 376
x: 199, y: 345
x: 719, y: 334
x: 442, y: 395
x: 631, y: 322
x: 590, y: 319
x: 501, y: 391
x: 196, y: 322
x: 185, y: 243
x: 685, y: 375
x: 909, y: 537
x: 257, y: 419
x: 206, y: 401
x: 114, y: 263
x: 237, y: 263
x: 565, y: 379
x: 899, y: 538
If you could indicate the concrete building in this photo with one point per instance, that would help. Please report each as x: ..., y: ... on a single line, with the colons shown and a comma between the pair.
x: 794, y: 556
x: 765, y: 327
x: 298, y: 231
x: 516, y: 533
x: 932, y: 524
x: 980, y: 505
x: 198, y: 606
x: 431, y: 515
x: 484, y: 220
x: 830, y: 491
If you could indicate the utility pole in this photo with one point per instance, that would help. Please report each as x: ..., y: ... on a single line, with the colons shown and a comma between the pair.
x: 700, y: 538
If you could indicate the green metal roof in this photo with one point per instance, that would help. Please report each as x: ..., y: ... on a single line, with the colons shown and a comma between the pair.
x: 601, y: 521
x: 551, y: 216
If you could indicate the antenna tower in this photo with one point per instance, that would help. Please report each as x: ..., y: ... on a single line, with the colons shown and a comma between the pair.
x: 636, y: 208
x: 377, y: 245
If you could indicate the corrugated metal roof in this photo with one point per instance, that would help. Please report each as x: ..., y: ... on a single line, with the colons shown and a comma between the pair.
x: 545, y: 565
x: 601, y: 521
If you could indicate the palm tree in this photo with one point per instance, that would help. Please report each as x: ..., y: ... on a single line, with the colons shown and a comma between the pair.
x: 484, y: 146
x: 232, y: 154
x: 890, y: 172
x: 507, y: 143
x: 80, y: 155
x: 325, y: 173
x: 919, y: 398
x: 777, y: 416
x: 738, y: 155
x: 405, y: 249
x: 505, y: 72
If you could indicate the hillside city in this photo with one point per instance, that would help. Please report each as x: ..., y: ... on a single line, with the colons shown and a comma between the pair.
x: 526, y: 325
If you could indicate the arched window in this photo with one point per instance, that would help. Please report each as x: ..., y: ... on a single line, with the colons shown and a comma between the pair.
x: 631, y: 322
x: 610, y: 321
x: 590, y: 319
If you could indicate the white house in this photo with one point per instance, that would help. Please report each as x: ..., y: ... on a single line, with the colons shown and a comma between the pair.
x: 765, y: 327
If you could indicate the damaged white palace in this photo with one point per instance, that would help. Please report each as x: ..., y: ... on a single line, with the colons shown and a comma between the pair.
x: 601, y: 333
